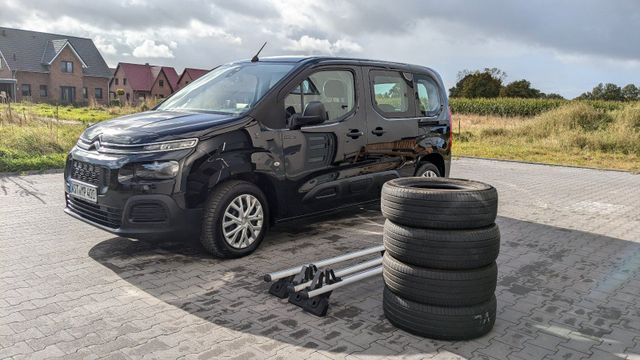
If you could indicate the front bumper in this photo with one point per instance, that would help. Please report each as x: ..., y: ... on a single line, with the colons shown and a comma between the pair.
x: 135, y: 210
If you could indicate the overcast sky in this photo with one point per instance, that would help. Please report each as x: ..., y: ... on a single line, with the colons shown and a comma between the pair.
x: 560, y: 46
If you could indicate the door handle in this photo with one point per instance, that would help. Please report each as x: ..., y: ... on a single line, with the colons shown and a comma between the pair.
x: 378, y: 131
x: 354, y: 133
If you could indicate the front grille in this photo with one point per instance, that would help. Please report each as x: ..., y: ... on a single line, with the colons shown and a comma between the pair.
x: 100, y: 214
x: 88, y: 173
x: 148, y: 212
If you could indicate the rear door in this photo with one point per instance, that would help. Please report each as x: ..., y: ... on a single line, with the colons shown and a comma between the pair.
x: 392, y: 120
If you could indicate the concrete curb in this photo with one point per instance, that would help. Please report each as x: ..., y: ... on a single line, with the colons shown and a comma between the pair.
x: 546, y: 164
x: 31, y: 172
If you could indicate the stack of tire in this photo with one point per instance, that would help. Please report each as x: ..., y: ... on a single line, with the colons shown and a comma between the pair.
x: 441, y: 243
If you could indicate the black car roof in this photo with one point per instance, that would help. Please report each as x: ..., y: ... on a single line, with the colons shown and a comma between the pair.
x: 343, y: 60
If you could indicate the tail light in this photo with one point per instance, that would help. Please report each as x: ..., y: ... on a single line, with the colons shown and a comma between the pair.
x: 450, y: 129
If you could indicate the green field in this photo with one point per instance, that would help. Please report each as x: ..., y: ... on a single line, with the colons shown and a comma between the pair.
x: 38, y: 136
x: 573, y: 134
x: 511, y: 107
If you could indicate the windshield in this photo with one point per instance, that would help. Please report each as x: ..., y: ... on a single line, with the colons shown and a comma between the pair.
x: 229, y: 89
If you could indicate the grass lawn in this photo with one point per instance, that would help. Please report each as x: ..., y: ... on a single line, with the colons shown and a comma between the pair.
x: 90, y: 114
x: 571, y: 135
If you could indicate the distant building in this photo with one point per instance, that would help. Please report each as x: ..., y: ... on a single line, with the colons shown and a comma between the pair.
x: 189, y: 75
x: 140, y: 82
x: 43, y: 67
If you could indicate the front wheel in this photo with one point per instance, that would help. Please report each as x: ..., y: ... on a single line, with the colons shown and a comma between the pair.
x: 235, y: 219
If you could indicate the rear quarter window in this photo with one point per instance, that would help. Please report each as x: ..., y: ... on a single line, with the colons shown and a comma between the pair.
x: 429, y: 97
x: 392, y: 93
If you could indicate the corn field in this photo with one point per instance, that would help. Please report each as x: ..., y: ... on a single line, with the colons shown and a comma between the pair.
x: 513, y: 107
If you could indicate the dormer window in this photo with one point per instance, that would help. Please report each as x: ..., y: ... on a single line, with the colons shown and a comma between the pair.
x: 66, y: 67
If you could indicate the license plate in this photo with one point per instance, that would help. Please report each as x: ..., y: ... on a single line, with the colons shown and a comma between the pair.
x: 83, y: 191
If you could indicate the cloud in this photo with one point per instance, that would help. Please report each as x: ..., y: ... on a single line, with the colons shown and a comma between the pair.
x: 105, y: 46
x: 310, y: 45
x: 574, y: 45
x: 149, y: 49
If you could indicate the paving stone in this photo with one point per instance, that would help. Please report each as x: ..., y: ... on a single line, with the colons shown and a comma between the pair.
x: 567, y: 287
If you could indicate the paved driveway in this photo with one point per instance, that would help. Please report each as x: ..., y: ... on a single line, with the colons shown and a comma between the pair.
x: 568, y: 285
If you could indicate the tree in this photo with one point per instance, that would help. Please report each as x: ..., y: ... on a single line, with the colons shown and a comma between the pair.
x: 603, y: 92
x: 520, y: 89
x: 553, y: 96
x: 631, y: 92
x: 478, y: 84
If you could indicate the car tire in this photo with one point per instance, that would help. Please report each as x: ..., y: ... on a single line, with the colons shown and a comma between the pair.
x: 440, y: 287
x: 442, y: 249
x: 218, y: 207
x: 439, y: 322
x: 439, y: 203
x: 428, y: 170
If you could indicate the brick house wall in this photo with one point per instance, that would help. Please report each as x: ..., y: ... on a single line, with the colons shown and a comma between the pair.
x: 56, y: 79
x: 5, y: 72
x: 184, y: 81
x: 161, y: 87
x: 121, y: 76
x: 34, y: 80
x: 93, y: 83
x: 59, y: 78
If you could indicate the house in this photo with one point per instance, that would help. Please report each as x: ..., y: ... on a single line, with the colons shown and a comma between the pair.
x: 189, y: 75
x: 140, y: 82
x: 44, y: 67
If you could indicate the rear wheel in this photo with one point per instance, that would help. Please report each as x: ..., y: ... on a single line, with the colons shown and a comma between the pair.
x: 235, y: 219
x: 428, y: 170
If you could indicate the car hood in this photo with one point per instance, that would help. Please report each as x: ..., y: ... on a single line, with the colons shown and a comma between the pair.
x: 154, y: 126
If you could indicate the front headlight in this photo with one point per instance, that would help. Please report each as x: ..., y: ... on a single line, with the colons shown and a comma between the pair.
x: 170, y: 145
x: 157, y: 170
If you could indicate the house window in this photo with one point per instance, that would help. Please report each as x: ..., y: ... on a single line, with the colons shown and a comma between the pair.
x: 44, y: 91
x: 26, y: 90
x: 128, y: 96
x: 66, y: 66
x: 124, y: 81
x: 85, y: 93
x: 98, y: 93
x: 161, y: 83
x: 116, y: 81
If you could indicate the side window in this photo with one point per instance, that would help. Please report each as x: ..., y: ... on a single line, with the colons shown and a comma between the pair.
x: 391, y: 92
x: 428, y: 96
x: 334, y: 88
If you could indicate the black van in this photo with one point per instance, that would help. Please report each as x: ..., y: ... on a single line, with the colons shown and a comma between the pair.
x: 253, y: 143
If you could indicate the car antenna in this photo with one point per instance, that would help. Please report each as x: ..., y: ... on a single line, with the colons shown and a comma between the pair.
x: 255, y: 57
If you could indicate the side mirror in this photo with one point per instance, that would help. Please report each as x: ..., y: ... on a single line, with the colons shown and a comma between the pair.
x: 314, y: 114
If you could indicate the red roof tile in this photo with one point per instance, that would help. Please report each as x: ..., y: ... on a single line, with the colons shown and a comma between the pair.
x: 171, y: 75
x: 193, y: 73
x: 142, y: 76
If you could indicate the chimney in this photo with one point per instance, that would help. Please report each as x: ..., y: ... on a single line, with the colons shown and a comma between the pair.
x: 146, y: 64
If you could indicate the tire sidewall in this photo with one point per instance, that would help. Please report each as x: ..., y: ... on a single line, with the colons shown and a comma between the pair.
x: 427, y: 166
x: 221, y: 206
